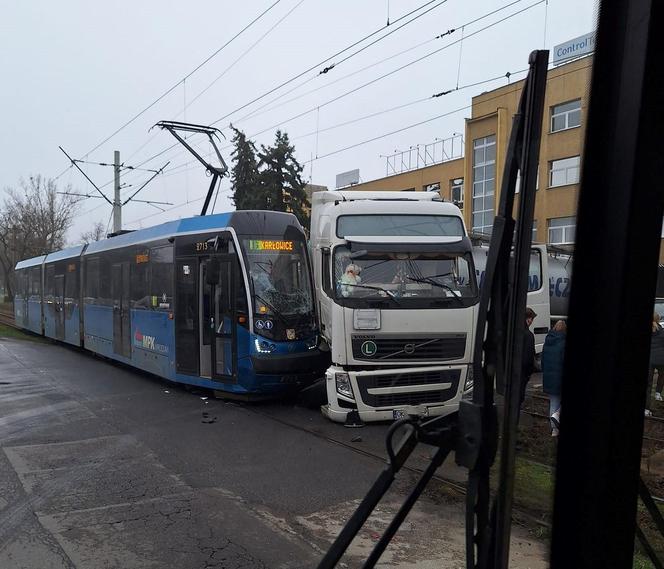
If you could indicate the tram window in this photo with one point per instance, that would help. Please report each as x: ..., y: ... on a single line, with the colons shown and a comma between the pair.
x: 50, y: 281
x: 34, y: 281
x: 140, y: 289
x: 161, y: 280
x: 71, y: 282
x: 105, y: 297
x: 91, y: 279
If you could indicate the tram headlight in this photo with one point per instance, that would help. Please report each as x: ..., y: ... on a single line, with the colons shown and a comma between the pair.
x: 263, y: 347
x: 343, y: 385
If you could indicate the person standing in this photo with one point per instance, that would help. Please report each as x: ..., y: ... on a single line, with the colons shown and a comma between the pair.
x: 552, y: 370
x: 656, y: 360
x: 528, y: 354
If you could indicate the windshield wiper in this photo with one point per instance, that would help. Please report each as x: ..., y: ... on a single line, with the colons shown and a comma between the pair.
x: 428, y: 280
x: 389, y: 293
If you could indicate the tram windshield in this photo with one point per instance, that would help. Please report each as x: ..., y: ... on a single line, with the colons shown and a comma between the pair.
x: 279, y: 277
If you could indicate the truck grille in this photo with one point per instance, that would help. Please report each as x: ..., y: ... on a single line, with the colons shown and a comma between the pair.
x: 405, y: 379
x: 386, y: 348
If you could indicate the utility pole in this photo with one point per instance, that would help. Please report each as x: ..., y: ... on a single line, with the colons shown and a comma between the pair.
x: 117, y: 204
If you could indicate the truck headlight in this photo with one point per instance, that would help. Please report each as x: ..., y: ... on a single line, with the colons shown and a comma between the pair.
x: 343, y: 385
x: 469, y: 379
x: 312, y: 343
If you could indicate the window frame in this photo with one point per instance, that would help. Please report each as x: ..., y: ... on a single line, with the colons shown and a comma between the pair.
x: 485, y: 196
x: 565, y: 229
x: 567, y: 181
x: 454, y: 184
x: 565, y: 114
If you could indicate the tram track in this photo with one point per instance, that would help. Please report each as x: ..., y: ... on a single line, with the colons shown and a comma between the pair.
x: 7, y: 318
x: 521, y: 516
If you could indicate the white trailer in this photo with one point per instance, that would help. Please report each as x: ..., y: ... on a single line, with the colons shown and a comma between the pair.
x: 397, y: 295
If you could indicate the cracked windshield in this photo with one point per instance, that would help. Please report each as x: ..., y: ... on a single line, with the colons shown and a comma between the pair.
x: 279, y: 275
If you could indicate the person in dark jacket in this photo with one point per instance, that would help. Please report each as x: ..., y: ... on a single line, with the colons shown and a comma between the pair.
x: 656, y: 359
x: 552, y: 370
x: 528, y: 355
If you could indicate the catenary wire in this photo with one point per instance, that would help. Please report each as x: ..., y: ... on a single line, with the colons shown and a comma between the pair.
x: 398, y: 69
x: 171, y: 89
x: 379, y: 78
x: 313, y: 67
x: 235, y: 62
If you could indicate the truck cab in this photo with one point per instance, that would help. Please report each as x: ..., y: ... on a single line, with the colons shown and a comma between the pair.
x: 397, y: 293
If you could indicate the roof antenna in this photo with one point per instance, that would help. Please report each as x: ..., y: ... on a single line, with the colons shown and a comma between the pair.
x: 215, y: 171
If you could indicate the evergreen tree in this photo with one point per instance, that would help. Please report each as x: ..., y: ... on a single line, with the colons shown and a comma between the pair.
x: 244, y: 175
x: 282, y: 187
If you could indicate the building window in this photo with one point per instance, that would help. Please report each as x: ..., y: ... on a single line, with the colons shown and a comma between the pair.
x: 484, y: 183
x: 456, y: 192
x: 435, y: 187
x: 567, y: 115
x: 564, y: 172
x: 562, y: 230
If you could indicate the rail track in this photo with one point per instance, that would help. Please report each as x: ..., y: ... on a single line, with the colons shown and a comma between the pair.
x: 7, y: 318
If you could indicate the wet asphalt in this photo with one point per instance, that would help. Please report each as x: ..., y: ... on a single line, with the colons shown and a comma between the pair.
x: 103, y: 466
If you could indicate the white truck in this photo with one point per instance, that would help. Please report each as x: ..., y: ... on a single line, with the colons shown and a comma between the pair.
x: 398, y: 295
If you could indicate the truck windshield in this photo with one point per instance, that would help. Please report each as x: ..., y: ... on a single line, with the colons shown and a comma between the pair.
x: 400, y: 224
x: 279, y: 276
x: 415, y: 279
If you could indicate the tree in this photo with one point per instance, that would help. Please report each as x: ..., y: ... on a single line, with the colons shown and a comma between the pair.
x: 34, y: 220
x: 244, y: 175
x: 280, y: 179
x: 97, y: 233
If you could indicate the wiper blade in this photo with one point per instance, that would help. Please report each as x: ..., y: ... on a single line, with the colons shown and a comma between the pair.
x: 389, y: 293
x: 427, y: 280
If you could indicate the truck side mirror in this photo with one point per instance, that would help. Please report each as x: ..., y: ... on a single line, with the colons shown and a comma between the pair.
x: 212, y: 272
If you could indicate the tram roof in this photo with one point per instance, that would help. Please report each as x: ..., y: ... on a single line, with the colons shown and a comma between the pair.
x: 255, y: 222
x: 244, y: 222
x: 35, y: 261
x: 69, y: 253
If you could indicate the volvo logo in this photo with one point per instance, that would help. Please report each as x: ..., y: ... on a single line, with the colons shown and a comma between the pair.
x: 409, y: 349
x: 369, y: 348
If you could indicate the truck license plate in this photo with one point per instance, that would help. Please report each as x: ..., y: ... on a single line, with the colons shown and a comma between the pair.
x: 398, y: 414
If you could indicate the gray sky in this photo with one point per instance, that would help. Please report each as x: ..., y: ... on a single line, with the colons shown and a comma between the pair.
x: 75, y: 71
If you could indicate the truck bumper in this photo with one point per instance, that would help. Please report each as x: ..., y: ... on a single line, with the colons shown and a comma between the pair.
x: 419, y: 391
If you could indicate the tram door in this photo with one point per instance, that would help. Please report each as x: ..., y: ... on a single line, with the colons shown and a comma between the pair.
x: 59, y: 306
x: 121, y: 314
x: 218, y: 350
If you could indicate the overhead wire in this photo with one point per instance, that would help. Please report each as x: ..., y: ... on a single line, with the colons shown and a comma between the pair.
x: 313, y: 67
x: 392, y: 72
x: 398, y: 69
x: 171, y: 171
x: 367, y: 141
x: 235, y: 62
x: 283, y: 84
x: 256, y: 112
x: 176, y: 85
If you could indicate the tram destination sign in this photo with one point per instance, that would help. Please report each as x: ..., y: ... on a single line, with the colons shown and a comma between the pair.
x: 270, y: 245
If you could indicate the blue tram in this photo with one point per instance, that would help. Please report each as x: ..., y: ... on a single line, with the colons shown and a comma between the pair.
x: 222, y: 301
